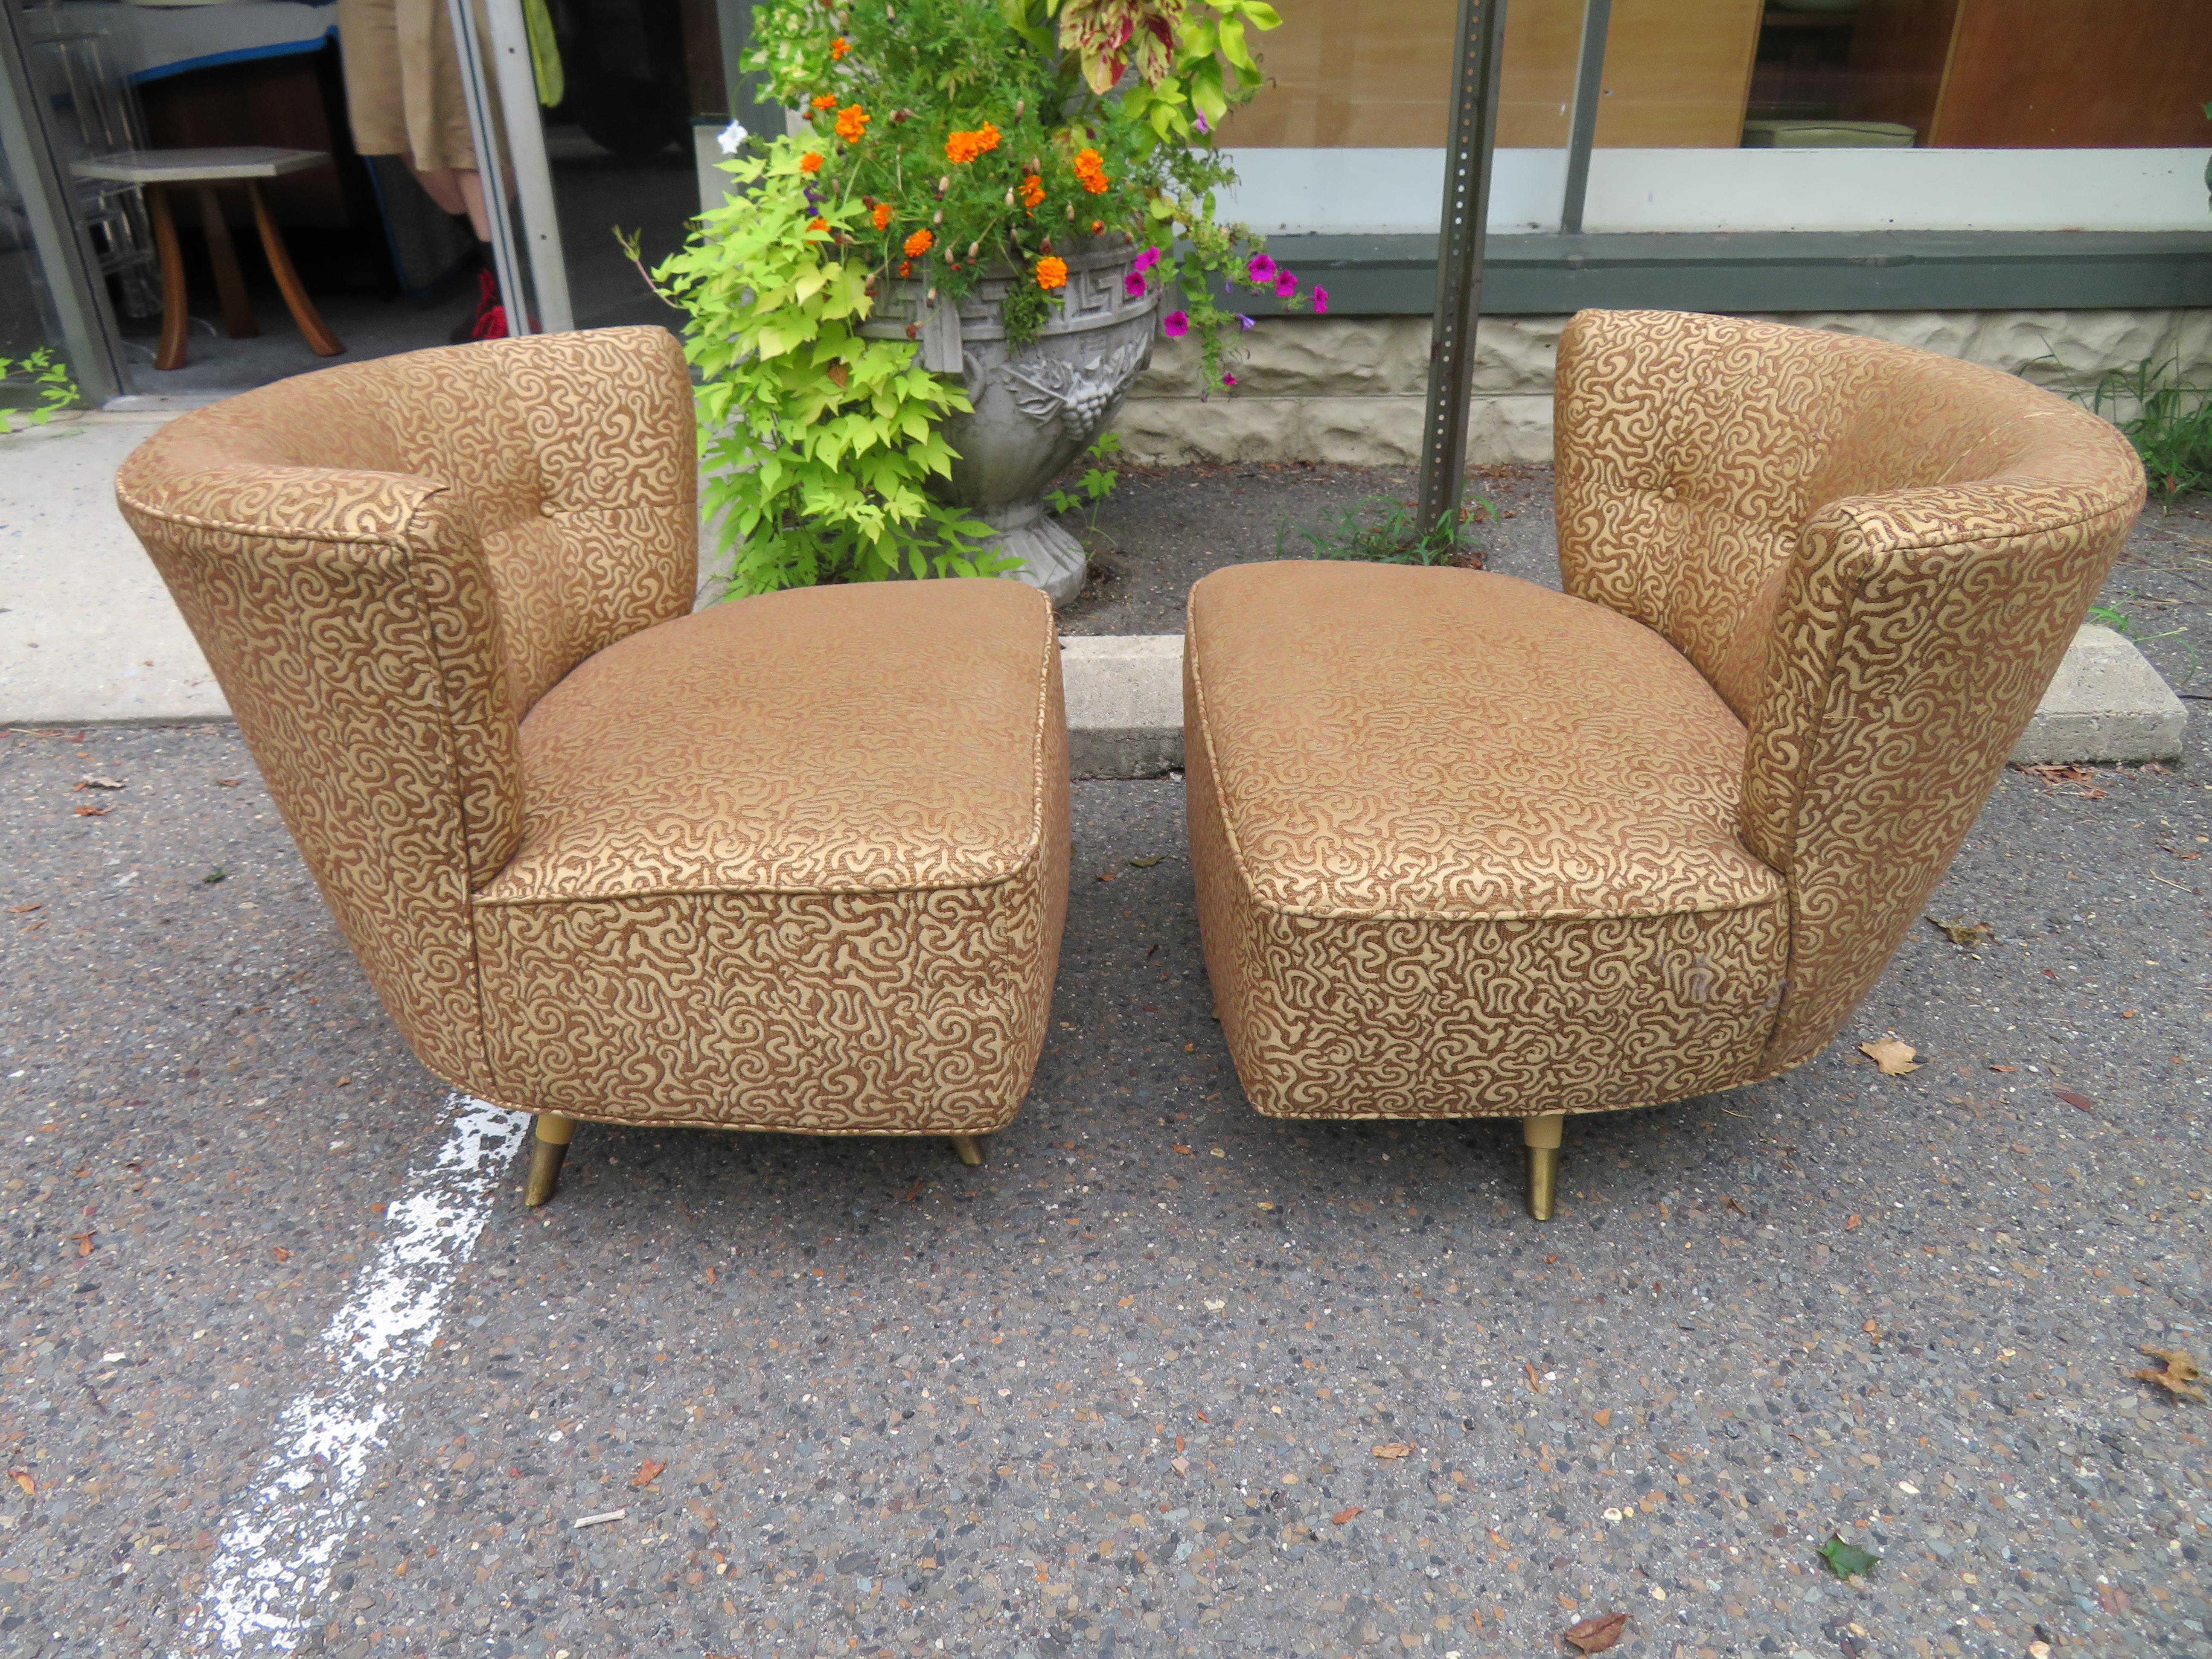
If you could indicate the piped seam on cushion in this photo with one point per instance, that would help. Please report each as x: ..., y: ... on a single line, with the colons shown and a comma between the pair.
x: 1273, y: 912
x: 1030, y: 860
x: 394, y: 537
x: 1889, y: 549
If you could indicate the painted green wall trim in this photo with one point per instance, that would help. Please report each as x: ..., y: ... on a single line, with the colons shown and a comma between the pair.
x: 1771, y: 270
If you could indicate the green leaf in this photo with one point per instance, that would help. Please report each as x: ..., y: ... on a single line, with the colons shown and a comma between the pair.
x: 1846, y: 1560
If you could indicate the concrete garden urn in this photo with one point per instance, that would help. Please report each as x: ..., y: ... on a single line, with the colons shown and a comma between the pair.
x: 1037, y: 406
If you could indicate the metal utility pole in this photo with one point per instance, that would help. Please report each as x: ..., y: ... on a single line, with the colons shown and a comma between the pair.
x: 1458, y: 260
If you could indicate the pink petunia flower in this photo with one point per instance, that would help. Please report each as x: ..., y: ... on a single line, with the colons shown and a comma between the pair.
x: 1202, y: 126
x: 1321, y: 299
x: 1146, y: 260
x: 1176, y: 324
x: 1133, y: 286
x: 1261, y: 270
x: 1229, y: 379
x: 1286, y: 285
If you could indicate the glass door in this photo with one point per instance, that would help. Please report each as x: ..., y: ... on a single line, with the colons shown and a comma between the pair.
x: 611, y: 111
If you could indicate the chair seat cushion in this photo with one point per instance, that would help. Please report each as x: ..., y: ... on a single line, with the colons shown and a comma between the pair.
x: 839, y: 740
x: 1465, y: 845
x: 795, y: 862
x: 1432, y: 743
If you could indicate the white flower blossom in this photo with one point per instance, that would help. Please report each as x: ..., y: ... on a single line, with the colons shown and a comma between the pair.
x: 731, y: 137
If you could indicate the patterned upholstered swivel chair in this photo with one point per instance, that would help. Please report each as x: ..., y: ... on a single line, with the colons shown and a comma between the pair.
x: 797, y: 862
x: 1465, y: 847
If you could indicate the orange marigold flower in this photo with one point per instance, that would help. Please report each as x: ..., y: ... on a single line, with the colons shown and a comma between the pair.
x: 1091, y: 171
x: 826, y: 100
x: 882, y: 215
x: 818, y: 223
x: 810, y: 162
x: 1032, y: 191
x: 920, y: 242
x: 1051, y: 273
x: 852, y: 122
x: 967, y: 146
x: 906, y: 267
x: 1097, y: 225
x: 839, y: 47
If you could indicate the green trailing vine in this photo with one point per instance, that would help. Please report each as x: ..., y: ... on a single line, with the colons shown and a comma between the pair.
x: 941, y: 140
x: 49, y: 383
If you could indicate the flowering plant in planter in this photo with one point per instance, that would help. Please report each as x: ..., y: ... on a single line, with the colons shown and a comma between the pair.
x: 941, y: 143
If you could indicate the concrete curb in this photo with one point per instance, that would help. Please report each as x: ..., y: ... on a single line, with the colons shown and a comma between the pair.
x: 2106, y: 703
x: 1125, y: 706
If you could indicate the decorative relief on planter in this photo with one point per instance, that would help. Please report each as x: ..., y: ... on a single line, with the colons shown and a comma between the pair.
x: 1077, y: 396
x: 1035, y: 407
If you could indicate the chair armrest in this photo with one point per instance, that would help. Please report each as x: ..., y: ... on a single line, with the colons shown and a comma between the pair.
x: 1915, y: 634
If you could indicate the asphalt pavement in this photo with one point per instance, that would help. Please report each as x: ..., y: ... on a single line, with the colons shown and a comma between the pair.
x: 1165, y: 1377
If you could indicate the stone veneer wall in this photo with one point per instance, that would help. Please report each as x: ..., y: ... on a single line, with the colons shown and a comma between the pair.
x: 1351, y: 389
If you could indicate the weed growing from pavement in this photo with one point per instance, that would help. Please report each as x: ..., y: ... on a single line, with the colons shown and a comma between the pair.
x: 2168, y: 419
x: 1382, y: 529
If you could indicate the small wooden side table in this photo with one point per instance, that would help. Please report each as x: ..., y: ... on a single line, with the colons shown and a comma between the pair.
x: 160, y: 171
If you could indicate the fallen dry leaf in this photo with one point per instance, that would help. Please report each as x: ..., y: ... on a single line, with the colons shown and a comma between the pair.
x: 1392, y: 1450
x: 1596, y: 1633
x: 1143, y: 864
x: 93, y: 812
x: 1535, y: 1383
x: 1852, y: 1224
x: 2079, y: 1102
x: 914, y: 1193
x: 282, y: 1255
x: 1733, y: 1205
x: 1959, y: 931
x: 647, y: 1473
x: 2059, y: 774
x: 23, y: 909
x: 1894, y: 1058
x: 1872, y: 1330
x: 84, y: 1246
x: 1602, y: 1418
x: 2179, y: 1374
x: 1184, y: 1150
x: 2004, y: 1068
x: 228, y: 783
x: 96, y: 783
x: 22, y: 1478
x: 1108, y: 875
x: 1346, y: 1517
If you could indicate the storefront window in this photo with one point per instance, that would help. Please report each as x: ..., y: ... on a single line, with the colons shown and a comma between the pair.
x: 1802, y: 109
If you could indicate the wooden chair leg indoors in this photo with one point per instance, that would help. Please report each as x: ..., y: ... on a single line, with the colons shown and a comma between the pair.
x: 319, y: 336
x: 176, y: 321
x: 548, y: 1148
x: 1542, y: 1136
x: 237, y: 311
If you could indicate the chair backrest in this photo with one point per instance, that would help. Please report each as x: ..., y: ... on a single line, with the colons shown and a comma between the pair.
x: 1878, y: 557
x: 386, y: 563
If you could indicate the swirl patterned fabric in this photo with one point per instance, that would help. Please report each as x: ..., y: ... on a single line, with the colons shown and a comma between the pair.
x: 828, y: 829
x: 446, y: 594
x: 1444, y: 870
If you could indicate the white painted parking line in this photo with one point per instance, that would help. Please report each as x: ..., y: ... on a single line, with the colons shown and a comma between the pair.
x: 276, y: 1552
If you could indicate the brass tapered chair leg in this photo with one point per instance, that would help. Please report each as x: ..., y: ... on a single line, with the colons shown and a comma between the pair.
x: 547, y: 1149
x: 970, y: 1148
x: 1541, y: 1135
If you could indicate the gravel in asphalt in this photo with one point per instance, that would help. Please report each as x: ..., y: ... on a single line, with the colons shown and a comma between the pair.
x: 1133, y: 1388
